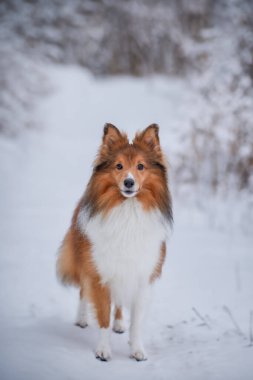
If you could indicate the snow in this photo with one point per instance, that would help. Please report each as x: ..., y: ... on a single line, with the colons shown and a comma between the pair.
x: 198, y: 326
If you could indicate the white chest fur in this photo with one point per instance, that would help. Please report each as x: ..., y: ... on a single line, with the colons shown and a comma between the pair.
x: 125, y: 246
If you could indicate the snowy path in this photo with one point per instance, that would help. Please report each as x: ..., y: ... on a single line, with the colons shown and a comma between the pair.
x: 41, y: 181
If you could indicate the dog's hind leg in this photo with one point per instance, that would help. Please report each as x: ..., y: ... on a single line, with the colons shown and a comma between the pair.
x: 118, y: 325
x: 82, y: 313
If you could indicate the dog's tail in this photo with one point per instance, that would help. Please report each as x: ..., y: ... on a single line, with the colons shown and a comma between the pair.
x: 66, y: 266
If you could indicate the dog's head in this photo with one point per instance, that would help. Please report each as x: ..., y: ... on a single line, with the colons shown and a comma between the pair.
x: 125, y: 170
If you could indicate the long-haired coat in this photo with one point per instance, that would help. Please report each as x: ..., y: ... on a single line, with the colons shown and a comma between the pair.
x: 116, y: 244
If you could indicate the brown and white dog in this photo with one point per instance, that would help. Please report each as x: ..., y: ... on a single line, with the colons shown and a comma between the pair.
x: 116, y: 245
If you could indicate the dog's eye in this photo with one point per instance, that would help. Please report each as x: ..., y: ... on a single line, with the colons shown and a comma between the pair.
x: 119, y: 166
x: 140, y: 166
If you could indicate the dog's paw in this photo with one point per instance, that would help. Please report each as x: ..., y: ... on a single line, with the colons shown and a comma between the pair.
x: 118, y: 326
x: 103, y: 353
x: 138, y: 354
x: 81, y: 324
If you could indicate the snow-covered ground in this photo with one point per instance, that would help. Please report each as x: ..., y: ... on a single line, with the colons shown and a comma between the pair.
x: 198, y: 326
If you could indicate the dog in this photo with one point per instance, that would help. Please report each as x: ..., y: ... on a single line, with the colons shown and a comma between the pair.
x: 115, y: 247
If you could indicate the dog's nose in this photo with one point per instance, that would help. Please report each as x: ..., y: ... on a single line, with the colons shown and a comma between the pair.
x: 129, y: 182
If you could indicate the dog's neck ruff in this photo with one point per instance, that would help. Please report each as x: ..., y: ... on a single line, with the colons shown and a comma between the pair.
x: 126, y: 246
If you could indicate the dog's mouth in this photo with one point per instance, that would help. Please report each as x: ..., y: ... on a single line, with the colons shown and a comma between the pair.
x: 128, y: 193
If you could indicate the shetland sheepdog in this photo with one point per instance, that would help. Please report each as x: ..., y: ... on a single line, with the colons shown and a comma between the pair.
x: 115, y: 247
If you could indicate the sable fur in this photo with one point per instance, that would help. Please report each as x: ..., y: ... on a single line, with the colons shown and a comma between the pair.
x: 75, y: 263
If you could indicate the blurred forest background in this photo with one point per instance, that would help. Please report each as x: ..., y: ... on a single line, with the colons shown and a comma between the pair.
x: 66, y: 68
x: 209, y: 43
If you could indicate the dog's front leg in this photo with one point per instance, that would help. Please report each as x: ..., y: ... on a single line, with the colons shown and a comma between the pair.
x: 101, y: 299
x: 137, y: 319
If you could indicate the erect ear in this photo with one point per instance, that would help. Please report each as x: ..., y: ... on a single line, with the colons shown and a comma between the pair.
x: 150, y: 137
x: 113, y: 137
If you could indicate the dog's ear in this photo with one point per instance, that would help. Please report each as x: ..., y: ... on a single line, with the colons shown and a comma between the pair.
x: 111, y: 134
x: 113, y: 138
x: 149, y: 137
